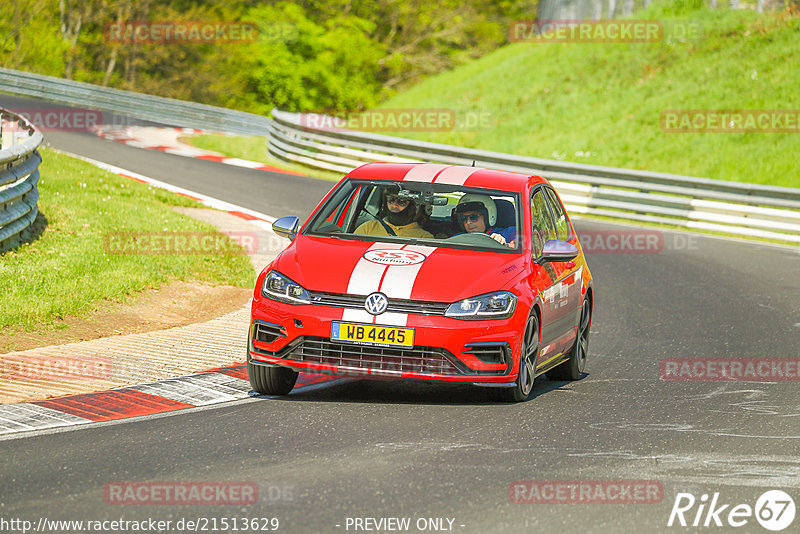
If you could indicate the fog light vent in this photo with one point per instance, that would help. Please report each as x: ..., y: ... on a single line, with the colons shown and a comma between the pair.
x: 490, y: 352
x: 267, y: 332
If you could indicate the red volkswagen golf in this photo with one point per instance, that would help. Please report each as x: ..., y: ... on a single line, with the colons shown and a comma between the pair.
x: 425, y: 271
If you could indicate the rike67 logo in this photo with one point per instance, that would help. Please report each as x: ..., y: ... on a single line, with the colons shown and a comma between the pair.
x: 774, y: 510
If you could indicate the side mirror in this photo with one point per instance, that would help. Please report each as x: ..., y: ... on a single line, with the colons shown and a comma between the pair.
x: 287, y: 226
x: 557, y: 251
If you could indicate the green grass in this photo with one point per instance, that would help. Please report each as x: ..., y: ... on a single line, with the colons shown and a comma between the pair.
x: 68, y: 270
x: 253, y: 148
x: 601, y: 103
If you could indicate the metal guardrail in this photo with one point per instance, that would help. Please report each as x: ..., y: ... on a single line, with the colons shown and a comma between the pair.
x: 19, y: 174
x: 698, y: 203
x: 761, y: 211
x: 147, y: 107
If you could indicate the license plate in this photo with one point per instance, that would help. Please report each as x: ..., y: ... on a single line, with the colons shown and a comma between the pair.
x: 373, y: 334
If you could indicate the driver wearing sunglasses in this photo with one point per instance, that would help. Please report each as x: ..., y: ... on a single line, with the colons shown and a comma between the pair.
x: 478, y: 213
x: 398, y: 216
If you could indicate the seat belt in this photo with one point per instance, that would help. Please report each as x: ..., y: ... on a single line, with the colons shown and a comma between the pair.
x: 387, y: 227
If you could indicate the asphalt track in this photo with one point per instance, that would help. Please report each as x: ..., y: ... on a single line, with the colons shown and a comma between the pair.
x: 364, y: 449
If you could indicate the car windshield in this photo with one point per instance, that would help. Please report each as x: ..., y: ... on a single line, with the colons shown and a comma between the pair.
x: 441, y: 215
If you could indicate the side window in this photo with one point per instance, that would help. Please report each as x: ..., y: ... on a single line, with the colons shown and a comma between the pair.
x: 562, y: 226
x: 541, y: 223
x: 363, y: 208
x: 339, y: 211
x: 345, y: 209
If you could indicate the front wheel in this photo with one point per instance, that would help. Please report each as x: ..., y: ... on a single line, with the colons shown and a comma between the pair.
x: 271, y: 380
x: 529, y: 352
x: 572, y: 369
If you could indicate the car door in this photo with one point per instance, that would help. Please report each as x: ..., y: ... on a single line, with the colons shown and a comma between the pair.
x: 545, y: 276
x: 567, y: 290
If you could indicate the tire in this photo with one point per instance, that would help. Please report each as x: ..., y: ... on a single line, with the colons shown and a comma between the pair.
x: 572, y: 369
x: 271, y: 380
x: 528, y: 353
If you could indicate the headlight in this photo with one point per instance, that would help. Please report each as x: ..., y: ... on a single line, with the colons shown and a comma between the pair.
x: 497, y: 305
x: 279, y: 287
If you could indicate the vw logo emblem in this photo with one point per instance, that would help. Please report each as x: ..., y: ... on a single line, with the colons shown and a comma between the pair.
x: 376, y: 303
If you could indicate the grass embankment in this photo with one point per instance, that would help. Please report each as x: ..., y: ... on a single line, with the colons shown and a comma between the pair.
x: 69, y: 269
x: 602, y: 103
x: 253, y: 148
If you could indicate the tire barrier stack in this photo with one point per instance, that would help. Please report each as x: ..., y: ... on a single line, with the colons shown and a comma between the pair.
x: 19, y: 174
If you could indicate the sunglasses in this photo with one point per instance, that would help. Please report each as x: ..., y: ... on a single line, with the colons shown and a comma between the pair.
x: 472, y: 217
x: 397, y: 200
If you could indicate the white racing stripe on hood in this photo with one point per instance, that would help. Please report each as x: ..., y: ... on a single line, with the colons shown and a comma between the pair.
x: 455, y: 175
x: 424, y: 173
x: 366, y: 275
x: 358, y: 316
x: 399, y: 279
x: 391, y: 319
x: 395, y: 281
x: 365, y: 279
x: 398, y: 283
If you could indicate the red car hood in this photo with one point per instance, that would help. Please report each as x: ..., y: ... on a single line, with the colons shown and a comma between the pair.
x: 411, y: 272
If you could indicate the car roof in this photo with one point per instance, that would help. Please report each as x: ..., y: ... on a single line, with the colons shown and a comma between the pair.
x: 431, y: 172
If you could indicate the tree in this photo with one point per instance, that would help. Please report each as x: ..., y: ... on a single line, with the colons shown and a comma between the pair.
x: 29, y: 37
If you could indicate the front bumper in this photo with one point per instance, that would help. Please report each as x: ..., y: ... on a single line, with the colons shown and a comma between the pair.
x: 299, y: 337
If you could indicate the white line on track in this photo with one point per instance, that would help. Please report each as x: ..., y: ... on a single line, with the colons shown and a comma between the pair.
x: 204, y: 199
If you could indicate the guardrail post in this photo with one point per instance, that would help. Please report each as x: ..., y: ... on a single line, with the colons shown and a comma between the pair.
x: 6, y: 133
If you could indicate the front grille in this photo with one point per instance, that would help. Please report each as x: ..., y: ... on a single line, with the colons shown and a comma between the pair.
x: 431, y: 360
x: 415, y: 360
x: 395, y: 305
x: 267, y: 332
